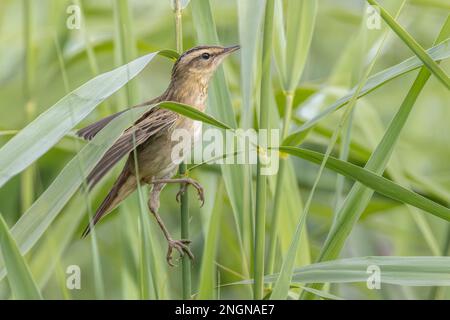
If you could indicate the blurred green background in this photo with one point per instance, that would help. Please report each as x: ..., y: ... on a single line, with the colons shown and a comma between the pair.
x: 31, y: 80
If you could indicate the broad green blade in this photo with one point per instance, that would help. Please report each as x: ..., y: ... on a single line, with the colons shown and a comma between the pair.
x: 170, y: 54
x: 211, y: 219
x: 59, y: 236
x: 296, y: 138
x: 279, y: 41
x: 291, y: 206
x: 291, y: 52
x: 322, y: 293
x: 373, y: 181
x: 438, y: 52
x: 250, y: 18
x: 291, y: 46
x: 250, y: 15
x: 20, y: 279
x: 405, y: 271
x: 427, y: 60
x: 148, y: 288
x: 46, y: 130
x: 36, y: 220
x: 281, y: 287
x: 395, y: 170
x: 439, y: 4
x: 194, y: 114
x: 300, y: 20
x: 359, y: 196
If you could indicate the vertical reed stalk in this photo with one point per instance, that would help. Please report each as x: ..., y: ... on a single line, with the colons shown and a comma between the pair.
x: 90, y: 52
x: 87, y: 42
x: 178, y: 26
x: 27, y: 177
x: 185, y: 262
x: 126, y: 43
x: 289, y: 96
x: 184, y: 207
x: 261, y: 180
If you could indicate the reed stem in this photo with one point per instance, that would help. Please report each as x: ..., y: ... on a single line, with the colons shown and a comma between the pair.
x: 27, y: 178
x: 261, y: 180
x: 289, y: 96
x: 184, y: 207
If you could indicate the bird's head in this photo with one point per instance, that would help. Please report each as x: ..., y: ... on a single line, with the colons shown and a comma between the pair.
x: 200, y: 62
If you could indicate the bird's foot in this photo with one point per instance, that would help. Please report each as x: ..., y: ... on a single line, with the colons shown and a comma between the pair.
x: 181, y: 246
x: 196, y: 185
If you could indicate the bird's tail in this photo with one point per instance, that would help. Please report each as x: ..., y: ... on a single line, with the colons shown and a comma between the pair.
x: 122, y: 188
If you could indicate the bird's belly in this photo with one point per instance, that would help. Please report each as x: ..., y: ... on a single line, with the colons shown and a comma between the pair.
x: 155, y: 157
x: 197, y: 129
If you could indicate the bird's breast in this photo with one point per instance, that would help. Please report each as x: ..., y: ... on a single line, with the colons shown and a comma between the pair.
x: 193, y: 93
x: 197, y: 129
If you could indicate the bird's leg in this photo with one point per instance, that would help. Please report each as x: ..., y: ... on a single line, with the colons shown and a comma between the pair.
x: 184, y: 182
x: 180, y: 245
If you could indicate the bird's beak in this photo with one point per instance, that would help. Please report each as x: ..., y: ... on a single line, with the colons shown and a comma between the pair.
x: 228, y: 50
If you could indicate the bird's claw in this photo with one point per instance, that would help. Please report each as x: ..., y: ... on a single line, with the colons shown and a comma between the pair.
x: 181, y: 246
x: 197, y: 186
x: 182, y: 190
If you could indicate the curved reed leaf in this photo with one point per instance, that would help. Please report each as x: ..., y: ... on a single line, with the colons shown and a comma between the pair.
x: 212, y: 217
x: 427, y: 60
x: 300, y: 20
x: 359, y: 195
x: 282, y: 285
x: 194, y: 114
x: 48, y: 251
x: 171, y: 54
x: 35, y: 221
x: 47, y: 129
x: 20, y: 279
x: 250, y: 18
x: 291, y: 50
x: 250, y: 14
x: 438, y: 52
x: 372, y: 180
x: 321, y: 293
x: 405, y: 271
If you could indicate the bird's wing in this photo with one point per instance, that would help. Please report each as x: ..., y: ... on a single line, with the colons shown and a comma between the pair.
x: 151, y: 123
x: 89, y: 132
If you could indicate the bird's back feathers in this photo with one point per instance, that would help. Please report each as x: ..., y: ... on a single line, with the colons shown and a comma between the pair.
x: 151, y: 123
x: 147, y: 126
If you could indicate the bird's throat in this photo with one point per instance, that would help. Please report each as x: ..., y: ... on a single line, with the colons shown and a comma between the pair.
x: 191, y: 90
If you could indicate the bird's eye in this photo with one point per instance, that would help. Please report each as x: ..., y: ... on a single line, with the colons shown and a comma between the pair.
x: 206, y: 56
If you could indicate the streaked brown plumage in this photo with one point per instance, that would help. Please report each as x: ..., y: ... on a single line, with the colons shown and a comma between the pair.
x: 152, y: 138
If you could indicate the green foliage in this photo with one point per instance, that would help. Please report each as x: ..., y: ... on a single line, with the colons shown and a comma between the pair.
x: 376, y: 118
x: 19, y: 275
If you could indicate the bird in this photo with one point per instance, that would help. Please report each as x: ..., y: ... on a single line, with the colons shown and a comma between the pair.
x: 148, y: 141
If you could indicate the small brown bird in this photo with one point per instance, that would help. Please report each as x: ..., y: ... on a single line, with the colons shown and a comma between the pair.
x: 152, y: 140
